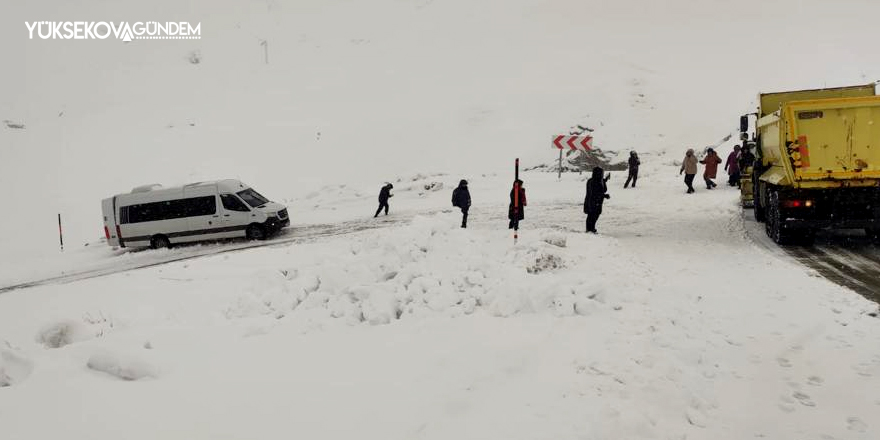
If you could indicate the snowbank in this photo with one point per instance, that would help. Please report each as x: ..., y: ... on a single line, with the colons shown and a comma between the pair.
x: 430, y: 267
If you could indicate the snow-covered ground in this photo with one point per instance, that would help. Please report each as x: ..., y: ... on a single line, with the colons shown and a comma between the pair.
x: 669, y: 324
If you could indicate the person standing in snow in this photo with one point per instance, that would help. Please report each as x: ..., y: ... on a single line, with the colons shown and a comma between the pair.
x: 711, y: 161
x: 689, y: 168
x: 732, y: 167
x: 461, y: 198
x: 516, y: 214
x: 596, y: 194
x: 384, y: 195
x: 633, y: 169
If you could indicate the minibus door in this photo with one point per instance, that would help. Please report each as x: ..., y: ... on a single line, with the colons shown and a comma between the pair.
x: 235, y: 216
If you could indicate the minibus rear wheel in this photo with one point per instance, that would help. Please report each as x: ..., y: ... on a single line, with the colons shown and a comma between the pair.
x: 160, y: 242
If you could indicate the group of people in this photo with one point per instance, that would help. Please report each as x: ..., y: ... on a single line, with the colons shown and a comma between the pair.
x: 597, y: 185
x: 739, y: 159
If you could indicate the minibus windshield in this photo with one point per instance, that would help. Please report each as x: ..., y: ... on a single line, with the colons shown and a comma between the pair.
x: 253, y: 198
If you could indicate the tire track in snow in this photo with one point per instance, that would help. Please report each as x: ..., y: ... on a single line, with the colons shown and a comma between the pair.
x: 145, y: 258
x: 849, y: 260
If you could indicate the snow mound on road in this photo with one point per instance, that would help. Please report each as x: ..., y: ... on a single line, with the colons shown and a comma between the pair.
x: 14, y: 366
x: 123, y: 366
x: 432, y: 267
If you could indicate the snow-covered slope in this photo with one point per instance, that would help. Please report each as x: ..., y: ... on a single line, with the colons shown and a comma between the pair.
x: 359, y: 92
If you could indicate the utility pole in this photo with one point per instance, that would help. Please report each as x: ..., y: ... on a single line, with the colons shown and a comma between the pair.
x: 265, y: 44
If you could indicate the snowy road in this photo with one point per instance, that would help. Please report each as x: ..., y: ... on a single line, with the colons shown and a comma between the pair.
x: 847, y: 258
x: 139, y: 259
x: 108, y: 264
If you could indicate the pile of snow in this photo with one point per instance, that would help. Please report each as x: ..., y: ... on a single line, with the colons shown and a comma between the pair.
x: 122, y: 366
x: 428, y: 267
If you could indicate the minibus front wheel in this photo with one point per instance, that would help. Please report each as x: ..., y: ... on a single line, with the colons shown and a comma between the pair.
x: 255, y: 232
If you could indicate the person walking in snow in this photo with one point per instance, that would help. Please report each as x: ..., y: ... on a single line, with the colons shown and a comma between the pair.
x: 516, y: 214
x: 689, y: 168
x: 597, y: 192
x: 633, y: 169
x: 732, y: 167
x: 461, y: 198
x: 711, y: 161
x: 384, y: 195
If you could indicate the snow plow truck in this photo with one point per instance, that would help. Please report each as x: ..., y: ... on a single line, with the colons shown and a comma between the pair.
x: 817, y: 162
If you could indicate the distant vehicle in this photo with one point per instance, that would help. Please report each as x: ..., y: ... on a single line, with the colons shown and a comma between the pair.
x: 158, y: 217
x: 817, y: 162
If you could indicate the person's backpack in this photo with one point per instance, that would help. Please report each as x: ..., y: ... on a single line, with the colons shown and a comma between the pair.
x: 455, y: 198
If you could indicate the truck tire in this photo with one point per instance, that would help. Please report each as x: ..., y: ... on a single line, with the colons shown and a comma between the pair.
x: 773, y: 221
x: 760, y: 209
x: 778, y: 233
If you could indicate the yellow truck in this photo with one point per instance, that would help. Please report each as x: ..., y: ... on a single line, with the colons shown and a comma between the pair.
x: 817, y: 162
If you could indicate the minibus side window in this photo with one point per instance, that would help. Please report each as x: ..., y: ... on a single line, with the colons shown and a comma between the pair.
x: 169, y: 209
x: 232, y: 203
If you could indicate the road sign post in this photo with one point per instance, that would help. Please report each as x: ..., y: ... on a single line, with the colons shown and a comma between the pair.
x: 560, y: 165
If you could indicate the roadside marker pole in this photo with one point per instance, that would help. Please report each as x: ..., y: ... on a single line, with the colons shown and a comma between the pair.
x: 516, y: 201
x: 60, y: 234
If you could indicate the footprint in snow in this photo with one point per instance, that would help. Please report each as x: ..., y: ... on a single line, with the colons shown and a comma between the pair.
x: 815, y: 381
x: 786, y: 404
x: 864, y: 369
x: 804, y: 399
x: 856, y: 424
x: 783, y: 362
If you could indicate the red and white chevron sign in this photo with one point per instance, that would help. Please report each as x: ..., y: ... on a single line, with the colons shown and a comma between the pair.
x: 573, y: 142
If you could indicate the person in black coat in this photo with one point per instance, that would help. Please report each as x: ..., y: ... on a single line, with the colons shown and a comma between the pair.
x: 596, y: 195
x: 384, y: 195
x: 515, y: 215
x: 461, y: 198
x: 634, y: 163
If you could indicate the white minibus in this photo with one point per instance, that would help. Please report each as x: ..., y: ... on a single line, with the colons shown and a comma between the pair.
x: 158, y: 217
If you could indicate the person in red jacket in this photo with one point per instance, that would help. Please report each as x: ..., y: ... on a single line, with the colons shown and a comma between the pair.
x: 711, y: 161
